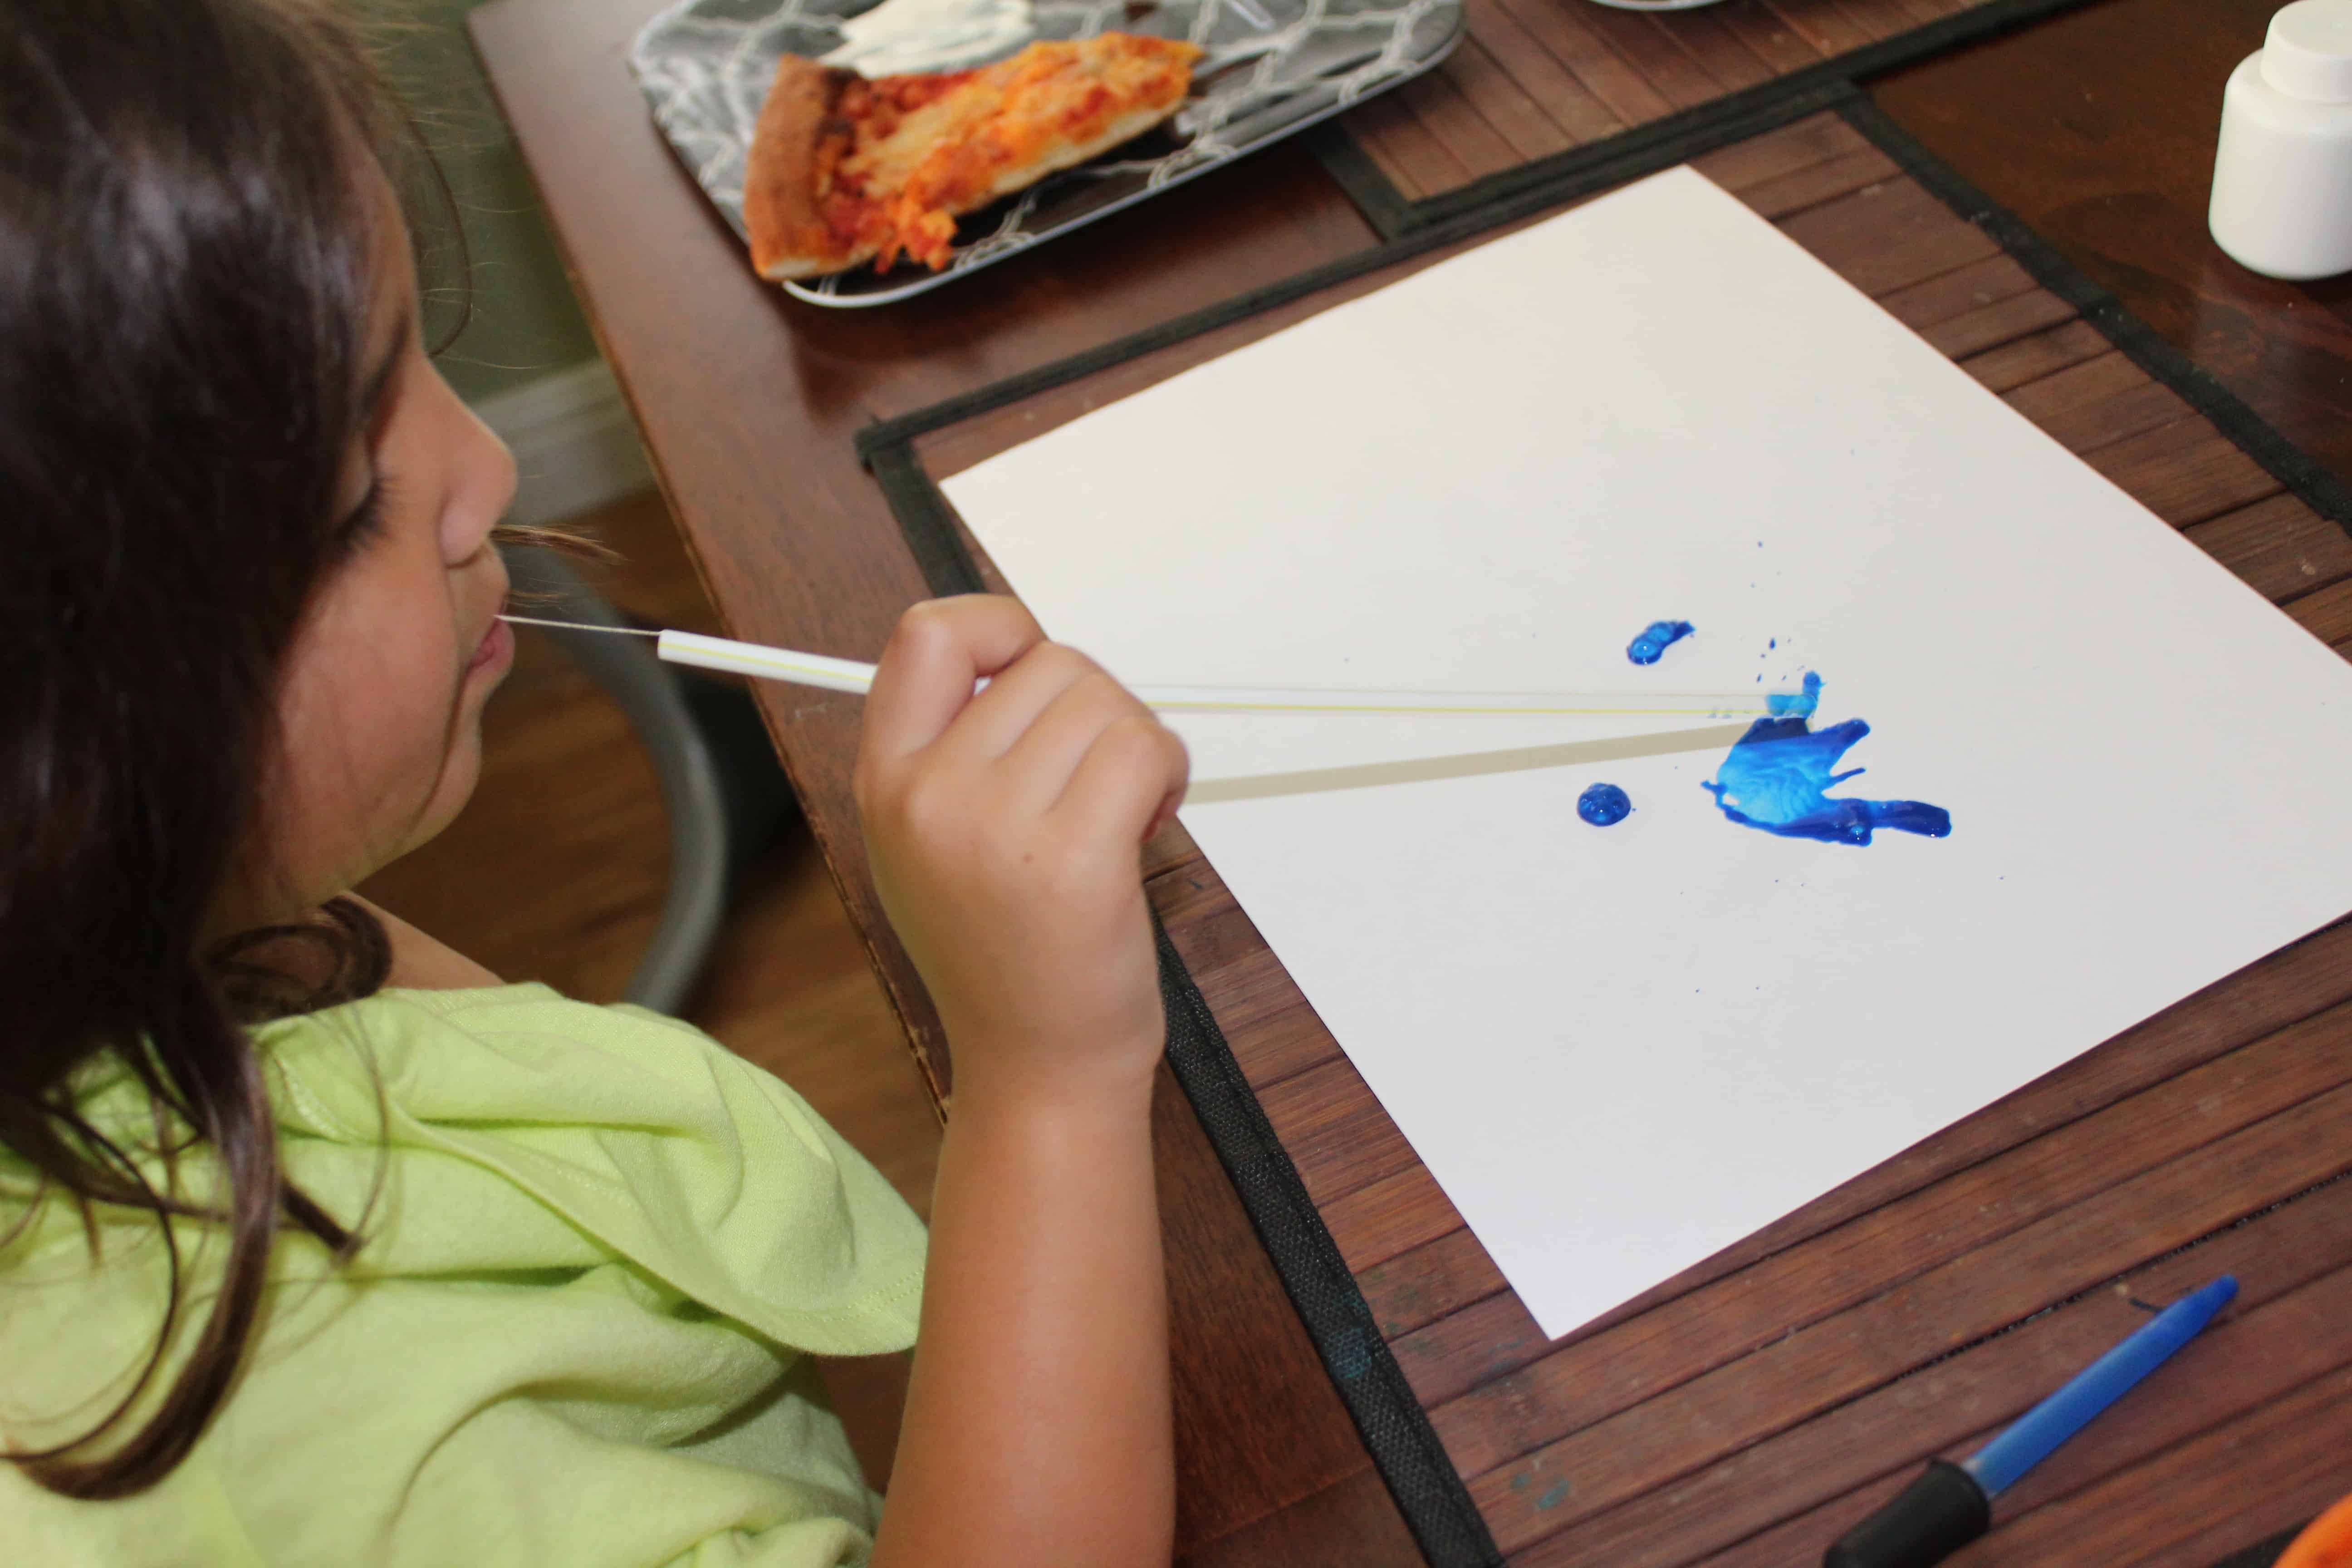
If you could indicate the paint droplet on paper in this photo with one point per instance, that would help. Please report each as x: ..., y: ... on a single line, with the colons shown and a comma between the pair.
x: 1603, y: 805
x: 1779, y: 775
x: 1656, y: 639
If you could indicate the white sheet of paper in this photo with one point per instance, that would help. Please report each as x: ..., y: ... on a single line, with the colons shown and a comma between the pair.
x: 1621, y: 1049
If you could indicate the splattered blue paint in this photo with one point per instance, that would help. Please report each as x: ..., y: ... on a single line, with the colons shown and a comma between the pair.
x: 1656, y: 639
x: 1603, y: 805
x: 1779, y: 775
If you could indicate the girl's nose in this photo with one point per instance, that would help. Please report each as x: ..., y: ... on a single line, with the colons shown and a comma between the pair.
x: 484, y: 488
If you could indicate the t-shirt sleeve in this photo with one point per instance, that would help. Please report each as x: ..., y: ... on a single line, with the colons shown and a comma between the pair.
x: 597, y: 1246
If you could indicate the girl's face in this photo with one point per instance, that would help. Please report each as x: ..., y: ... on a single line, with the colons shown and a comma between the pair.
x: 381, y: 708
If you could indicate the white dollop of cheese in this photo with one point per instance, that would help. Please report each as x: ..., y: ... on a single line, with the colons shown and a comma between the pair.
x: 901, y: 36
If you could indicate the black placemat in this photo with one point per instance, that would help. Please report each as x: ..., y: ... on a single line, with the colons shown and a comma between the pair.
x: 1435, y: 1504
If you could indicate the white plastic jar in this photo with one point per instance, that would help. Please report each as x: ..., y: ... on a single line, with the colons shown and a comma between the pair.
x: 2282, y: 174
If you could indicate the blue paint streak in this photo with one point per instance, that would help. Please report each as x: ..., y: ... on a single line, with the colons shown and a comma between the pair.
x: 1779, y: 775
x: 1656, y: 639
x: 1603, y: 805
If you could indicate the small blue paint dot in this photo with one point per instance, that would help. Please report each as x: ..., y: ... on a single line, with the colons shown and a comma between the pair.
x: 1654, y: 640
x: 1603, y: 805
x: 1554, y: 1495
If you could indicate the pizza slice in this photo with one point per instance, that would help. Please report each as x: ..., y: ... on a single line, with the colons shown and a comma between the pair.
x: 843, y: 170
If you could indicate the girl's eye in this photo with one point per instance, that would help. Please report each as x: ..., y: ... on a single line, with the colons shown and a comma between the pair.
x: 364, y: 520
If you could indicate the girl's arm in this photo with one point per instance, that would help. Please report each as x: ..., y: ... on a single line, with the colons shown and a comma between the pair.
x: 1004, y: 831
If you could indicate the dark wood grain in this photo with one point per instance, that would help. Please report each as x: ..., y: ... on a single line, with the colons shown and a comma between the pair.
x: 2114, y: 164
x: 1749, y: 1409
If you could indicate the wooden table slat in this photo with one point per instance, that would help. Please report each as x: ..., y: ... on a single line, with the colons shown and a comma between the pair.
x: 2184, y: 472
x: 1719, y: 51
x: 1571, y: 105
x: 1991, y: 326
x: 1506, y: 106
x: 1337, y: 1133
x: 1830, y: 31
x: 2290, y: 1324
x: 1988, y: 1203
x: 1949, y: 296
x: 1821, y: 183
x: 1889, y: 235
x: 1619, y: 87
x: 2281, y: 992
x: 1744, y: 166
x: 2279, y: 546
x: 1445, y: 112
x: 2095, y: 423
x: 2037, y: 355
x: 1778, y: 48
x: 2326, y: 613
x: 1816, y: 1369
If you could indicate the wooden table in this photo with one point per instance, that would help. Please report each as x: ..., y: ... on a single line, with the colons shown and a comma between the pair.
x: 2095, y: 127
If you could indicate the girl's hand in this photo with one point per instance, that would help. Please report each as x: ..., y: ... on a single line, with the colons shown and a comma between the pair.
x: 1003, y: 831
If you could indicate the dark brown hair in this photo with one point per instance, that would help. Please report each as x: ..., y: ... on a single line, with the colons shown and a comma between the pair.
x: 186, y: 229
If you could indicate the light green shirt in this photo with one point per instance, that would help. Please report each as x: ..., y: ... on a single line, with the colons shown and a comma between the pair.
x: 597, y: 1244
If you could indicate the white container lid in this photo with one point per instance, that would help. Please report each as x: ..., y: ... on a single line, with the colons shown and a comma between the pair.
x: 2309, y: 52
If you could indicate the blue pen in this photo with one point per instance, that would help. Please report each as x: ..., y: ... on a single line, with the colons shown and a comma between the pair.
x: 1952, y: 1505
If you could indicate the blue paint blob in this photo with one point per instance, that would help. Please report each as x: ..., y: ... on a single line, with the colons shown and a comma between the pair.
x: 1603, y: 805
x: 1779, y: 775
x: 1656, y: 639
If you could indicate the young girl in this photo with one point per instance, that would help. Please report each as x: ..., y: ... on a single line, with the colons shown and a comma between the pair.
x: 318, y: 1244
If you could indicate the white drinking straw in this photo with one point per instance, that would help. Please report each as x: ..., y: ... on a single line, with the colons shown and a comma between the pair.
x: 849, y: 674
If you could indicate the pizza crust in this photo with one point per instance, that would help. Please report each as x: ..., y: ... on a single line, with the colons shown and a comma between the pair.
x: 788, y: 238
x: 804, y: 144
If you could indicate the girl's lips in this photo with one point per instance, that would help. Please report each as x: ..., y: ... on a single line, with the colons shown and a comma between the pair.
x: 497, y: 647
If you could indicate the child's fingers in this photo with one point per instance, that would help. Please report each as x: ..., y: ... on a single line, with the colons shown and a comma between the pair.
x: 1040, y: 764
x: 1131, y: 772
x: 1000, y: 717
x: 939, y: 650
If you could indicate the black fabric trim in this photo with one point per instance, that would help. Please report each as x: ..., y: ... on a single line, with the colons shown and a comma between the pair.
x: 924, y: 518
x: 2141, y: 343
x: 1437, y: 1506
x: 1392, y: 213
